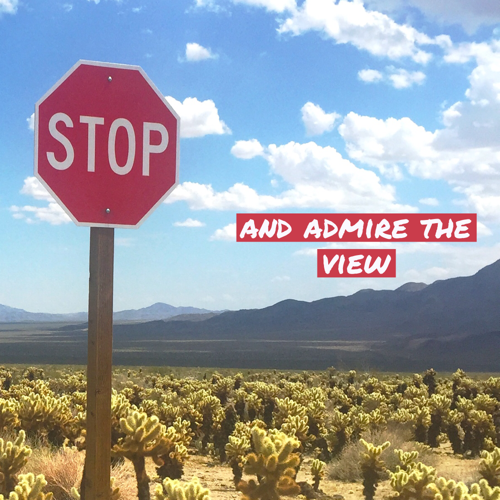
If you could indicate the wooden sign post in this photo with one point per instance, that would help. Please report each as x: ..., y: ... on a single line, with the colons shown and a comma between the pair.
x: 104, y: 182
x: 96, y: 480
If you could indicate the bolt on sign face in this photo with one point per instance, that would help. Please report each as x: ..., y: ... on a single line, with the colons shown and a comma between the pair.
x: 106, y: 144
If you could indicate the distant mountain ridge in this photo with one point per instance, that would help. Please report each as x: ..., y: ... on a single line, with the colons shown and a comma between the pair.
x: 456, y: 306
x: 449, y: 324
x: 158, y: 311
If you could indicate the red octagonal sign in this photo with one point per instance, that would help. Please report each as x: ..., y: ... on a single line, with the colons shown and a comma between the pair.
x: 106, y: 144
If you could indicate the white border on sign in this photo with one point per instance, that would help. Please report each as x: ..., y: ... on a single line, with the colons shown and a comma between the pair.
x: 160, y: 95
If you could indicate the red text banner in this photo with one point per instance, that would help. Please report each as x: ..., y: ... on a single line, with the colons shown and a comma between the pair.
x: 356, y: 227
x: 378, y: 263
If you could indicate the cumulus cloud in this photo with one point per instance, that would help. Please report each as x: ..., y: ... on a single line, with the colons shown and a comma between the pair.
x: 350, y: 22
x: 189, y: 223
x: 52, y: 213
x: 402, y: 79
x: 196, y: 52
x: 469, y: 14
x: 370, y: 75
x: 396, y: 77
x: 316, y: 120
x: 433, y: 202
x: 465, y: 152
x: 31, y: 122
x: 34, y: 188
x: 270, y: 5
x: 8, y: 6
x: 227, y: 233
x: 247, y: 150
x: 318, y: 177
x: 198, y: 118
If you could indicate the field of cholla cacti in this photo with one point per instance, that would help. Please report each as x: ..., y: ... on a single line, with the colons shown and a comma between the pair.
x: 266, y: 435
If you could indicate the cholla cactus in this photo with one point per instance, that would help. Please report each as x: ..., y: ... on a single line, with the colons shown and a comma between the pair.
x: 45, y: 416
x: 485, y: 490
x: 317, y: 472
x: 274, y: 465
x: 297, y: 425
x: 489, y: 467
x: 8, y: 414
x: 407, y: 458
x: 371, y: 467
x: 451, y: 490
x: 13, y: 456
x: 114, y: 491
x: 236, y: 449
x: 440, y: 407
x: 144, y: 437
x: 172, y: 489
x: 412, y: 484
x: 29, y: 488
x: 177, y: 438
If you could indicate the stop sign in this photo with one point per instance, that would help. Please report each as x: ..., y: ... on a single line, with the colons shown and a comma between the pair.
x: 106, y: 144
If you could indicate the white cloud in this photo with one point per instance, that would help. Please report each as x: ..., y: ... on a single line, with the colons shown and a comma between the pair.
x: 370, y: 75
x: 316, y: 120
x: 227, y: 233
x: 204, y: 197
x: 350, y: 22
x: 402, y: 79
x: 52, y: 213
x: 34, y: 188
x: 195, y: 53
x: 270, y: 5
x: 470, y: 14
x: 318, y: 176
x: 465, y: 152
x: 397, y: 77
x: 247, y: 150
x: 433, y: 202
x: 189, y: 223
x: 31, y: 121
x: 198, y: 118
x: 384, y: 142
x: 8, y: 6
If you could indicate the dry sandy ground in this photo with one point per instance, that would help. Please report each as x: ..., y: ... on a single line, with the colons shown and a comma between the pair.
x: 218, y: 478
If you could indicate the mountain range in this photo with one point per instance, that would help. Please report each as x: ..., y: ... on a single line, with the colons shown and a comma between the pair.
x: 157, y: 311
x: 457, y: 307
x: 449, y: 324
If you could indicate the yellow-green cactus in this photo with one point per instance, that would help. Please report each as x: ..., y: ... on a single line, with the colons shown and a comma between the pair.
x: 485, y: 490
x: 412, y: 484
x: 8, y: 414
x: 13, y: 456
x: 144, y: 437
x: 317, y: 472
x: 489, y: 467
x: 172, y: 489
x: 406, y: 458
x: 273, y: 463
x: 371, y: 467
x: 236, y: 449
x: 114, y: 491
x: 29, y: 487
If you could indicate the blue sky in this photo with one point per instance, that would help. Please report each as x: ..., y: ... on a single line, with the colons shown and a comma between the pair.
x: 328, y: 106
